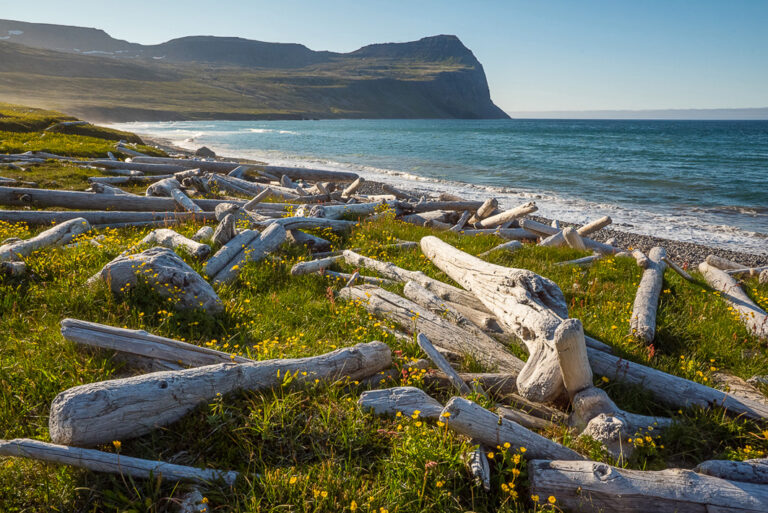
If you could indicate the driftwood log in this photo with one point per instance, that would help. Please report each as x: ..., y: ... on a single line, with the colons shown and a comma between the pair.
x: 528, y: 305
x: 643, y: 320
x: 172, y: 240
x: 749, y: 471
x: 486, y: 209
x: 228, y: 251
x: 441, y: 332
x: 313, y: 266
x: 753, y: 317
x: 225, y: 231
x: 491, y: 430
x: 512, y: 245
x: 256, y: 250
x: 406, y: 400
x: 125, y: 408
x: 442, y: 364
x: 506, y: 216
x: 480, y: 468
x: 143, y: 344
x: 111, y: 463
x: 48, y: 217
x: 588, y: 486
x: 58, y: 235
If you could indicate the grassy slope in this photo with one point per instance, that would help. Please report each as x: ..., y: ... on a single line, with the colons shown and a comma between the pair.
x: 312, y: 447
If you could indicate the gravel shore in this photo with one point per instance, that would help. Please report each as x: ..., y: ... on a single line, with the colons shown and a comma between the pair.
x: 680, y: 252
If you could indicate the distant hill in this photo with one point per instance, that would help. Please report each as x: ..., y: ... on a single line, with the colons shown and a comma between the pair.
x: 87, y: 72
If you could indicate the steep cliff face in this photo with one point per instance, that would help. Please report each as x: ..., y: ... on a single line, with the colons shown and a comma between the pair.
x: 199, y: 77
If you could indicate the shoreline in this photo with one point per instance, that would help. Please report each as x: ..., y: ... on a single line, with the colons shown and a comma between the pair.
x: 684, y: 253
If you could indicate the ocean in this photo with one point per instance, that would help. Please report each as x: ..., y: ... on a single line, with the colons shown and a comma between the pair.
x: 696, y: 181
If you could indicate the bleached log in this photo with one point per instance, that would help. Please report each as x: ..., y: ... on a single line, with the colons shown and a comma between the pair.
x: 269, y: 240
x: 126, y: 408
x: 111, y: 463
x: 642, y: 323
x: 753, y: 317
x: 312, y: 266
x: 527, y: 305
x: 312, y: 242
x: 672, y: 390
x: 764, y: 277
x: 352, y: 188
x: 251, y: 205
x: 547, y: 231
x: 588, y: 486
x: 173, y: 240
x: 405, y: 400
x: 573, y: 239
x: 58, y: 235
x: 751, y: 271
x: 500, y: 385
x: 506, y: 216
x: 141, y: 343
x: 512, y: 245
x: 285, y: 181
x: 13, y: 269
x: 486, y: 209
x: 679, y: 270
x: 353, y: 209
x: 228, y: 251
x: 582, y: 261
x: 442, y: 364
x: 596, y: 225
x: 736, y: 386
x: 429, y: 300
x: 122, y: 148
x: 416, y: 319
x: 227, y: 187
x: 102, y: 188
x: 427, y: 218
x: 393, y: 272
x: 480, y: 469
x: 184, y: 201
x: 225, y: 231
x: 524, y: 419
x: 239, y: 171
x: 462, y: 221
x: 397, y: 193
x: 572, y: 356
x: 749, y: 471
x: 150, y: 169
x: 42, y: 198
x: 490, y: 429
x: 722, y: 263
x: 204, y: 233
x: 365, y: 279
x: 163, y: 187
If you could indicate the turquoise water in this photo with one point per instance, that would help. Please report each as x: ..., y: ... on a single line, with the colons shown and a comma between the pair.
x: 702, y: 181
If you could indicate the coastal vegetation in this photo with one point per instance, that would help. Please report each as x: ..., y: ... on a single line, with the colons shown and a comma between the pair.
x: 311, y: 446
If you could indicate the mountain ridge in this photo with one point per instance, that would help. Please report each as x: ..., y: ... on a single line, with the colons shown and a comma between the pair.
x: 237, y: 78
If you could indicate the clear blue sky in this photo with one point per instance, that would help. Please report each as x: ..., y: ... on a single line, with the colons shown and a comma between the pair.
x: 538, y: 55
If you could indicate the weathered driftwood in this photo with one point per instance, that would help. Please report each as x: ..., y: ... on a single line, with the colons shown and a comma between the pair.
x: 13, y: 269
x: 524, y: 419
x: 428, y: 218
x: 225, y: 231
x: 405, y: 400
x: 111, y: 463
x: 313, y: 242
x: 528, y: 305
x: 48, y: 217
x: 679, y: 270
x: 462, y: 221
x: 391, y: 271
x: 642, y: 323
x: 172, y: 188
x: 573, y: 239
x: 251, y: 205
x: 753, y: 317
x: 442, y: 364
x: 150, y: 169
x: 751, y: 271
x: 722, y: 263
x: 168, y: 275
x: 749, y: 471
x: 547, y: 231
x: 588, y: 486
x: 313, y: 266
x: 490, y: 429
x: 58, y: 235
x: 122, y: 148
x: 506, y: 216
x: 397, y: 193
x: 352, y: 188
x: 346, y: 277
x: 480, y: 469
x: 305, y: 223
x: 269, y: 240
x: 141, y: 343
x: 496, y: 384
x: 228, y: 251
x: 43, y: 198
x: 204, y: 233
x: 102, y: 188
x: 582, y: 261
x: 669, y: 389
x: 421, y: 296
x: 597, y: 224
x: 172, y: 240
x: 488, y: 207
x: 736, y: 386
x: 416, y: 319
x: 125, y: 408
x: 512, y: 245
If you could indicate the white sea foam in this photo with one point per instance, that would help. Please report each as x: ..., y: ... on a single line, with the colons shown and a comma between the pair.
x: 688, y: 224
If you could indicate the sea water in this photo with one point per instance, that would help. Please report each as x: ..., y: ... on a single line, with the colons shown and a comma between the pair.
x: 697, y: 181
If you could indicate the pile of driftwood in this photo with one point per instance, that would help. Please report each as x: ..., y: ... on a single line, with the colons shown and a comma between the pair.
x: 495, y: 308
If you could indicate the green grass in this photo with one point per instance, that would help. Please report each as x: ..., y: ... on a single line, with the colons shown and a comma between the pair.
x: 311, y: 447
